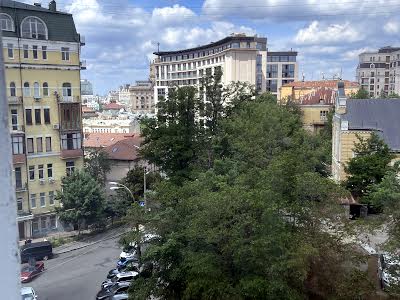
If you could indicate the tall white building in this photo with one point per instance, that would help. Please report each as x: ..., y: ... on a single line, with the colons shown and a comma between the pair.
x: 124, y: 94
x: 86, y: 87
x: 240, y: 57
x: 378, y: 72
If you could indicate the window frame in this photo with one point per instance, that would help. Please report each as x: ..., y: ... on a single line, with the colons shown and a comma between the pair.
x: 39, y: 144
x: 44, y: 52
x: 10, y: 50
x: 42, y: 196
x: 28, y: 145
x: 17, y: 145
x: 12, y: 25
x: 13, y: 89
x: 49, y: 147
x: 65, y: 53
x: 27, y: 89
x: 38, y: 116
x: 40, y: 172
x: 34, y: 35
x: 31, y: 173
x: 32, y: 197
x: 46, y: 116
x: 35, y: 52
x: 45, y: 87
x: 50, y: 171
x: 18, y: 179
x: 69, y: 167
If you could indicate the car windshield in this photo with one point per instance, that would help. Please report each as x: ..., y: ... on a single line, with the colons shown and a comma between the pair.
x: 27, y: 297
x: 27, y: 269
x: 114, y: 288
x: 129, y: 249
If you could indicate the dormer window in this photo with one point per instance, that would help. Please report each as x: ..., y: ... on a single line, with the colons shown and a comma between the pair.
x: 6, y: 23
x: 34, y: 28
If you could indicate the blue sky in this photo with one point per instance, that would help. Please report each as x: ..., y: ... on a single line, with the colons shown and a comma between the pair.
x: 122, y: 34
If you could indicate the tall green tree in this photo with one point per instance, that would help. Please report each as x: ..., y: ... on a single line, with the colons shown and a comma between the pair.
x: 82, y: 200
x: 368, y: 166
x: 360, y: 94
x: 97, y: 164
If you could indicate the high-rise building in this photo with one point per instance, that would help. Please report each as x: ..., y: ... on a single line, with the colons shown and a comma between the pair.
x: 239, y: 57
x: 42, y: 58
x: 86, y: 87
x: 142, y: 96
x: 282, y: 68
x: 378, y: 71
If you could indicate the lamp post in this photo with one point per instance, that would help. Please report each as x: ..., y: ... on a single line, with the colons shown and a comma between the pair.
x: 145, y: 172
x: 118, y: 186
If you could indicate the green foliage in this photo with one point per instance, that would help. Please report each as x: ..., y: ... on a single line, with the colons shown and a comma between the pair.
x: 361, y: 94
x: 82, y: 201
x: 98, y: 165
x: 368, y: 166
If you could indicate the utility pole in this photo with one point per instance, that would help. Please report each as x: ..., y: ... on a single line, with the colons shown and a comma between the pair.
x: 9, y: 251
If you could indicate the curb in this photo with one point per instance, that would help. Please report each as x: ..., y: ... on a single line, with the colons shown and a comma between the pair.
x: 90, y: 244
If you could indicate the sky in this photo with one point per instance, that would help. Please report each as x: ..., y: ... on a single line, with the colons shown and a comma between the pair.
x: 121, y: 35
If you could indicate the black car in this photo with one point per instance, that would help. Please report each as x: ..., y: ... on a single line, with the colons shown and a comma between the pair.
x: 36, y: 251
x: 115, y: 289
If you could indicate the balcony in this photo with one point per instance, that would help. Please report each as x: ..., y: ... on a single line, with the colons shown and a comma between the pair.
x: 68, y: 154
x: 24, y: 216
x: 19, y: 159
x: 69, y: 99
x: 14, y: 100
x: 21, y: 187
x: 17, y: 129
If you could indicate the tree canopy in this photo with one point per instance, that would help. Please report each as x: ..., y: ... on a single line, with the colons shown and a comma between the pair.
x: 360, y: 94
x: 98, y: 165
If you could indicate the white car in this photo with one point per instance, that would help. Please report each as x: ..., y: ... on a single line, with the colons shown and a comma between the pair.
x: 28, y: 293
x: 129, y: 251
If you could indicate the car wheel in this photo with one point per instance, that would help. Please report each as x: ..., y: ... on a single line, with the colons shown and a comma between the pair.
x: 45, y: 258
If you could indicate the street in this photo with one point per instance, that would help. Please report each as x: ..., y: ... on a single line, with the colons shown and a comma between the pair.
x: 77, y: 275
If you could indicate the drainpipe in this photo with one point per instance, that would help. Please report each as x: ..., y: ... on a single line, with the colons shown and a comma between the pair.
x: 9, y: 251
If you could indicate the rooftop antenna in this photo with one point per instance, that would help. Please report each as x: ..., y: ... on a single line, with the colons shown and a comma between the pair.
x: 158, y: 47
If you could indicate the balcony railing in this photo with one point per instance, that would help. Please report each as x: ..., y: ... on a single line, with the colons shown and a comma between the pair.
x: 69, y: 99
x: 14, y: 100
x: 17, y: 129
x: 21, y: 187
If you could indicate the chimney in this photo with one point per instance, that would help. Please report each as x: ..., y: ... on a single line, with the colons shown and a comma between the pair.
x: 53, y: 6
x: 37, y: 4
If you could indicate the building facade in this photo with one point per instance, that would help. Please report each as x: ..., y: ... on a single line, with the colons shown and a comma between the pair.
x: 42, y: 59
x: 123, y: 94
x: 282, y: 68
x: 239, y: 57
x: 86, y: 87
x: 101, y: 125
x: 142, y: 97
x: 379, y: 72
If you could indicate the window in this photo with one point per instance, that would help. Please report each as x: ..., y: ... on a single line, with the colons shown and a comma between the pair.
x: 6, y: 22
x: 33, y: 28
x: 288, y: 71
x: 10, y: 50
x: 38, y: 119
x: 53, y: 222
x: 272, y: 86
x: 19, y: 204
x: 44, y: 52
x: 50, y: 170
x: 43, y: 220
x: 28, y: 116
x: 27, y: 90
x: 235, y: 45
x: 48, y: 144
x: 272, y: 71
x: 41, y: 171
x: 31, y: 172
x: 33, y: 202
x: 35, y: 224
x: 18, y: 178
x: 70, y: 167
x: 323, y: 115
x: 13, y: 91
x: 36, y: 90
x: 46, y: 112
x: 51, y: 197
x: 45, y: 89
x: 43, y: 203
x: 35, y: 52
x: 64, y: 53
x: 66, y: 89
x: 30, y: 145
x: 14, y: 119
x: 18, y: 145
x: 39, y: 145
x: 71, y: 141
x: 26, y: 51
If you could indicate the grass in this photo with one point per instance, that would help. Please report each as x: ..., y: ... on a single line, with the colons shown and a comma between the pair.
x: 59, y: 241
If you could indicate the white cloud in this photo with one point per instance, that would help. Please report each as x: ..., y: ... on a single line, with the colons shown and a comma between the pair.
x: 392, y: 27
x: 319, y: 34
x: 171, y: 15
x: 353, y: 54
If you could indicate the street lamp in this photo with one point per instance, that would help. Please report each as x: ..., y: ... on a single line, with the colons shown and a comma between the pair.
x: 118, y: 186
x: 145, y: 172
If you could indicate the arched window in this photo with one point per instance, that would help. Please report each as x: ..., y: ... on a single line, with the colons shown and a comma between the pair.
x: 36, y: 90
x: 45, y: 89
x: 27, y: 90
x: 13, y: 91
x: 6, y: 22
x: 34, y: 28
x: 66, y: 89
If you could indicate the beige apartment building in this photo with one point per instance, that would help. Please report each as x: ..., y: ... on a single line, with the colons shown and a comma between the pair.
x: 378, y: 72
x: 239, y: 57
x: 142, y: 97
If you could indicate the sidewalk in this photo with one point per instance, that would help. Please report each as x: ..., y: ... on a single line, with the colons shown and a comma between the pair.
x: 82, y: 243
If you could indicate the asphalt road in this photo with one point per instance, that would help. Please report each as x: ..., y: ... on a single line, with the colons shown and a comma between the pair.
x: 77, y: 275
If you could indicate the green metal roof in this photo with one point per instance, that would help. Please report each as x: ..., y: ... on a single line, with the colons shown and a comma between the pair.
x: 60, y: 25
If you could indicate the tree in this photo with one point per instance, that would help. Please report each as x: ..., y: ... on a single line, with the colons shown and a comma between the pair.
x: 82, y: 201
x: 393, y: 95
x: 360, y: 94
x: 97, y: 164
x: 368, y: 166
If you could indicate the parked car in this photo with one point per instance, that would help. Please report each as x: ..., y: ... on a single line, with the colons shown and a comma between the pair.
x: 130, y: 266
x: 110, y: 291
x: 388, y: 270
x: 120, y: 297
x: 28, y: 272
x: 123, y: 262
x: 28, y: 293
x: 121, y: 277
x: 38, y: 251
x: 129, y: 251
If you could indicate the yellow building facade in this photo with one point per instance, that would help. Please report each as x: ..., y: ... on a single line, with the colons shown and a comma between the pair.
x: 41, y: 50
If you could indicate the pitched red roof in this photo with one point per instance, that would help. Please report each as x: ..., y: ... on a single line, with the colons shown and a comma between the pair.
x: 101, y: 140
x: 113, y: 106
x: 324, y: 96
x: 126, y: 149
x: 321, y: 83
x: 87, y: 109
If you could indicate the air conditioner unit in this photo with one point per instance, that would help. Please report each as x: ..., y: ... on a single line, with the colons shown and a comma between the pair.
x: 51, y: 180
x: 42, y: 181
x: 56, y: 126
